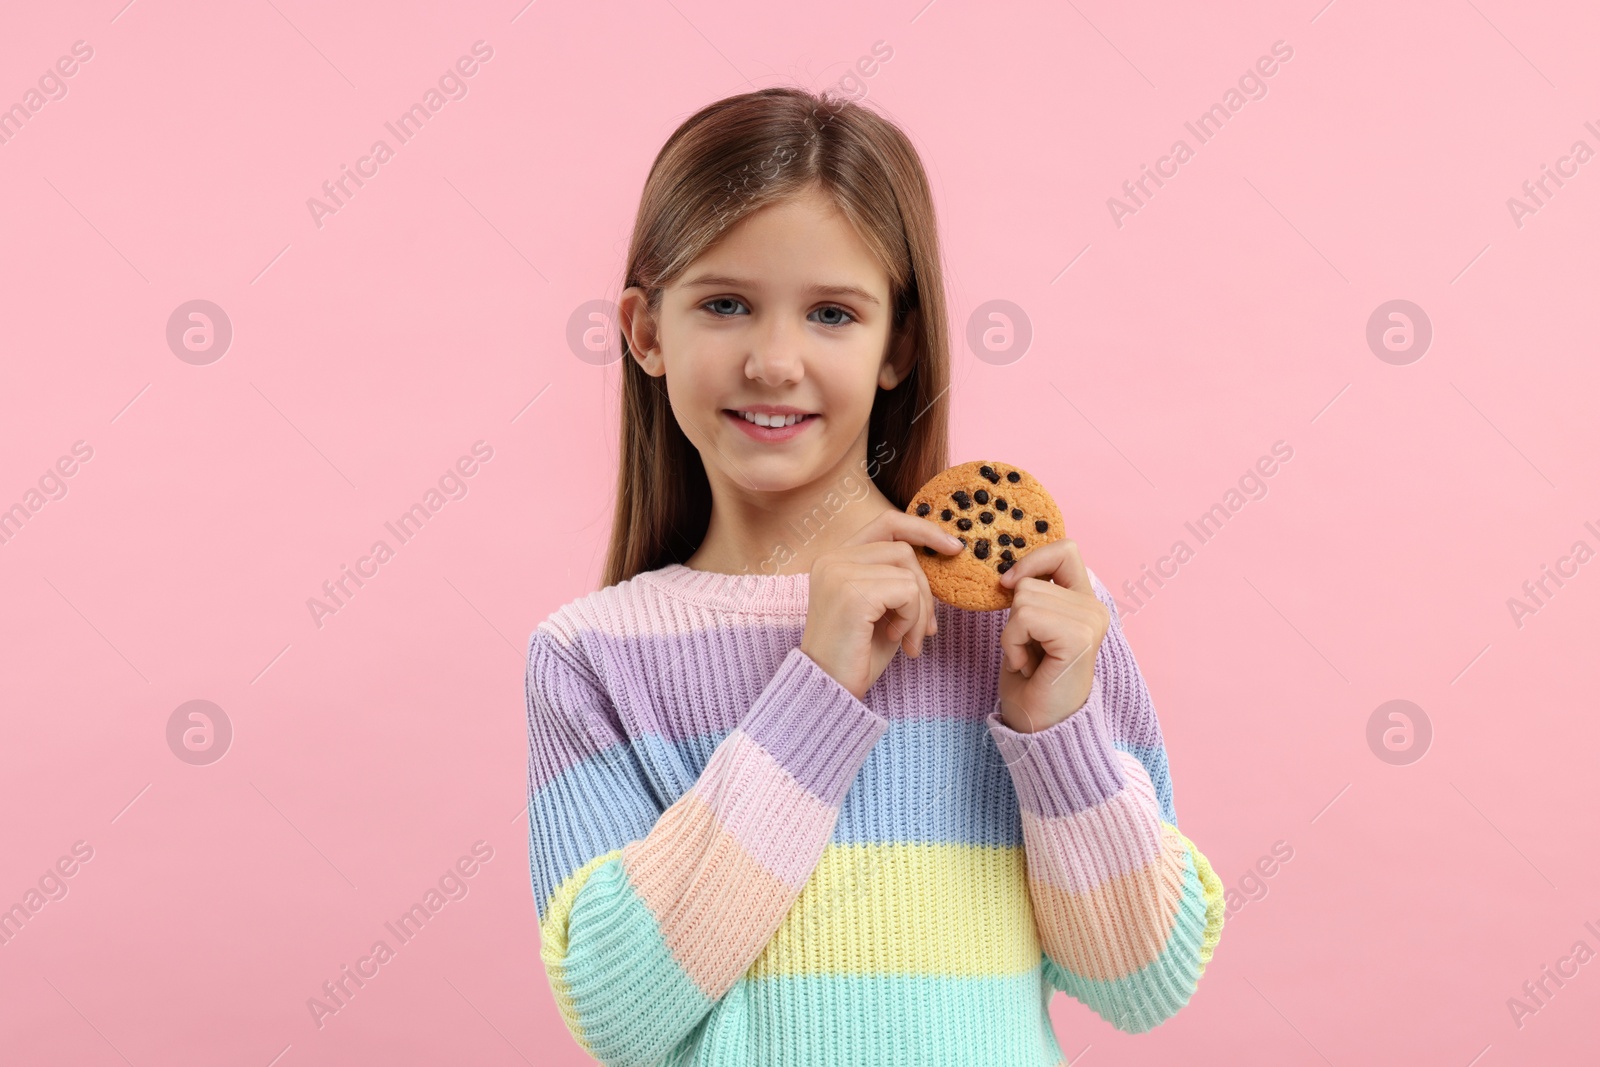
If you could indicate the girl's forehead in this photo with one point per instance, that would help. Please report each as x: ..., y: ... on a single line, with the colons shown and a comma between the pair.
x: 807, y: 266
x: 801, y: 244
x: 816, y: 218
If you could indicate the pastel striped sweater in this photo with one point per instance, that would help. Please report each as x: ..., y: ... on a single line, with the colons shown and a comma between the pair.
x: 737, y: 862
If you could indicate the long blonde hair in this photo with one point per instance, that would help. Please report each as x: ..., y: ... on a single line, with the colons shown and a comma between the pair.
x: 729, y: 159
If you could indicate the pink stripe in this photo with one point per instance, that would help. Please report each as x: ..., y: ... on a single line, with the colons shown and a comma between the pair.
x: 608, y: 612
x: 1082, y: 851
x: 1139, y: 779
x: 780, y: 823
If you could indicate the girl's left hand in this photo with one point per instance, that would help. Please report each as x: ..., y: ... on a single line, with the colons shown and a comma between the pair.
x: 1050, y: 641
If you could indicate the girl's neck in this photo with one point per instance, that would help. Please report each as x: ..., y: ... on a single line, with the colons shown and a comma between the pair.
x: 755, y: 538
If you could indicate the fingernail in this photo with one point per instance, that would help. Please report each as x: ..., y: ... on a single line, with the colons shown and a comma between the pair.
x: 952, y: 540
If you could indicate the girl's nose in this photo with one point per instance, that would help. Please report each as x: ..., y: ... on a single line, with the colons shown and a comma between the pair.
x: 777, y: 357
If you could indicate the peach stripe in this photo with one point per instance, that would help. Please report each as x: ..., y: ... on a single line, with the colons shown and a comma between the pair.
x: 716, y: 906
x: 1117, y: 928
x: 778, y: 821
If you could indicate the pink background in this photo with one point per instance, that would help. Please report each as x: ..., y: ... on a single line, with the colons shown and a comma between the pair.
x: 368, y: 355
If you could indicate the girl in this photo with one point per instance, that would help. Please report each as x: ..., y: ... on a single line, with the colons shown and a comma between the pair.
x: 786, y: 808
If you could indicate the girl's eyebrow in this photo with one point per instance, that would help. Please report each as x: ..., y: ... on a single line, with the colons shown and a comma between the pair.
x: 817, y: 290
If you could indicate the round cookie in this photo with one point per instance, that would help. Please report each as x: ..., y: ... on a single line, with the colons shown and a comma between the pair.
x: 1000, y: 513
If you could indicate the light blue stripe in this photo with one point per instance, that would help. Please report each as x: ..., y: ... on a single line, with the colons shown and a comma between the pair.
x: 592, y: 807
x: 927, y: 781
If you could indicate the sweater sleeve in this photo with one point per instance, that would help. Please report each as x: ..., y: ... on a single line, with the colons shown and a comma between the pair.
x: 649, y: 914
x: 1128, y: 909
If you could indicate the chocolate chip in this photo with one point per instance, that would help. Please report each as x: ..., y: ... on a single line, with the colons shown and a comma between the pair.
x: 1005, y: 539
x: 1013, y: 476
x: 981, y: 549
x: 923, y: 509
x: 945, y: 514
x: 1041, y: 525
x: 988, y: 472
x: 965, y: 505
x: 963, y: 524
x: 1016, y: 513
x: 963, y: 541
x: 986, y: 516
x: 1019, y: 542
x: 1004, y: 566
x: 1006, y: 554
x: 981, y: 496
x: 927, y: 551
x: 1000, y: 502
x: 959, y: 495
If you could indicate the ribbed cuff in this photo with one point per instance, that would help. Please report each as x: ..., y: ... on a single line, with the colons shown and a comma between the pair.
x: 814, y: 726
x: 1063, y: 768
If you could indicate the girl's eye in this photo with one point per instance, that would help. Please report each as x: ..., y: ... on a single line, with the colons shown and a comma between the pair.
x: 724, y: 311
x: 721, y: 300
x: 835, y: 307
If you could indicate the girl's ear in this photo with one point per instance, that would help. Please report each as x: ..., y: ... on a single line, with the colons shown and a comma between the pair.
x: 902, y: 352
x: 639, y: 327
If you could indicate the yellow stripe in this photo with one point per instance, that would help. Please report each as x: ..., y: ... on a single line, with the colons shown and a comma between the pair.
x: 1214, y: 903
x: 931, y: 910
x: 553, y: 943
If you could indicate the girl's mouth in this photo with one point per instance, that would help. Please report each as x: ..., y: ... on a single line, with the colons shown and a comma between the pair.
x: 769, y: 433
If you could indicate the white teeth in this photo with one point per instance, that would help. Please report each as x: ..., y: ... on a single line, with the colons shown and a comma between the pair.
x: 761, y: 419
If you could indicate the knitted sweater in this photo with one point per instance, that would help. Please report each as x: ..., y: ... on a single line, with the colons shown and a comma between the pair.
x: 735, y: 861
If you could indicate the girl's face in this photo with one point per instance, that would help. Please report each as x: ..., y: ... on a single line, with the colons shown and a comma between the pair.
x: 789, y: 311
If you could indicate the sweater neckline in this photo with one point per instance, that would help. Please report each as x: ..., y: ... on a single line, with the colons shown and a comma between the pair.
x: 760, y: 594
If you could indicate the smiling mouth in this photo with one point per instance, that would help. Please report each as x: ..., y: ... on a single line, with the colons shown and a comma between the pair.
x: 771, y: 421
x: 776, y: 430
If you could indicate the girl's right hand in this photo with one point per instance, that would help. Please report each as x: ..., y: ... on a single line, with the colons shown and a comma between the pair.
x: 870, y: 597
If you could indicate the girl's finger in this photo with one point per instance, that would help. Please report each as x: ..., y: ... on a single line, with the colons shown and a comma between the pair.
x: 1058, y: 562
x: 892, y: 597
x: 891, y: 525
x: 1014, y: 637
x: 908, y: 610
x: 931, y: 621
x: 926, y: 624
x: 924, y: 599
x: 902, y: 554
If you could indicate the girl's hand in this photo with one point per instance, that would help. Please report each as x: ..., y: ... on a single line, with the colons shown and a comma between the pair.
x: 1051, y: 638
x: 870, y: 597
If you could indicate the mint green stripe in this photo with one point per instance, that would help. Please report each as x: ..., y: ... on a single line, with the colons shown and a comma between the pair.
x: 1150, y: 996
x: 622, y: 977
x: 869, y: 1020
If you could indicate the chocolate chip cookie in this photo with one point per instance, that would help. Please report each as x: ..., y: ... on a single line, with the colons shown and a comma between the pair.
x: 1000, y: 513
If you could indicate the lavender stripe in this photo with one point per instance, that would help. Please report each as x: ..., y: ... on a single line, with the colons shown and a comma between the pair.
x: 676, y: 685
x: 1065, y: 768
x: 814, y: 727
